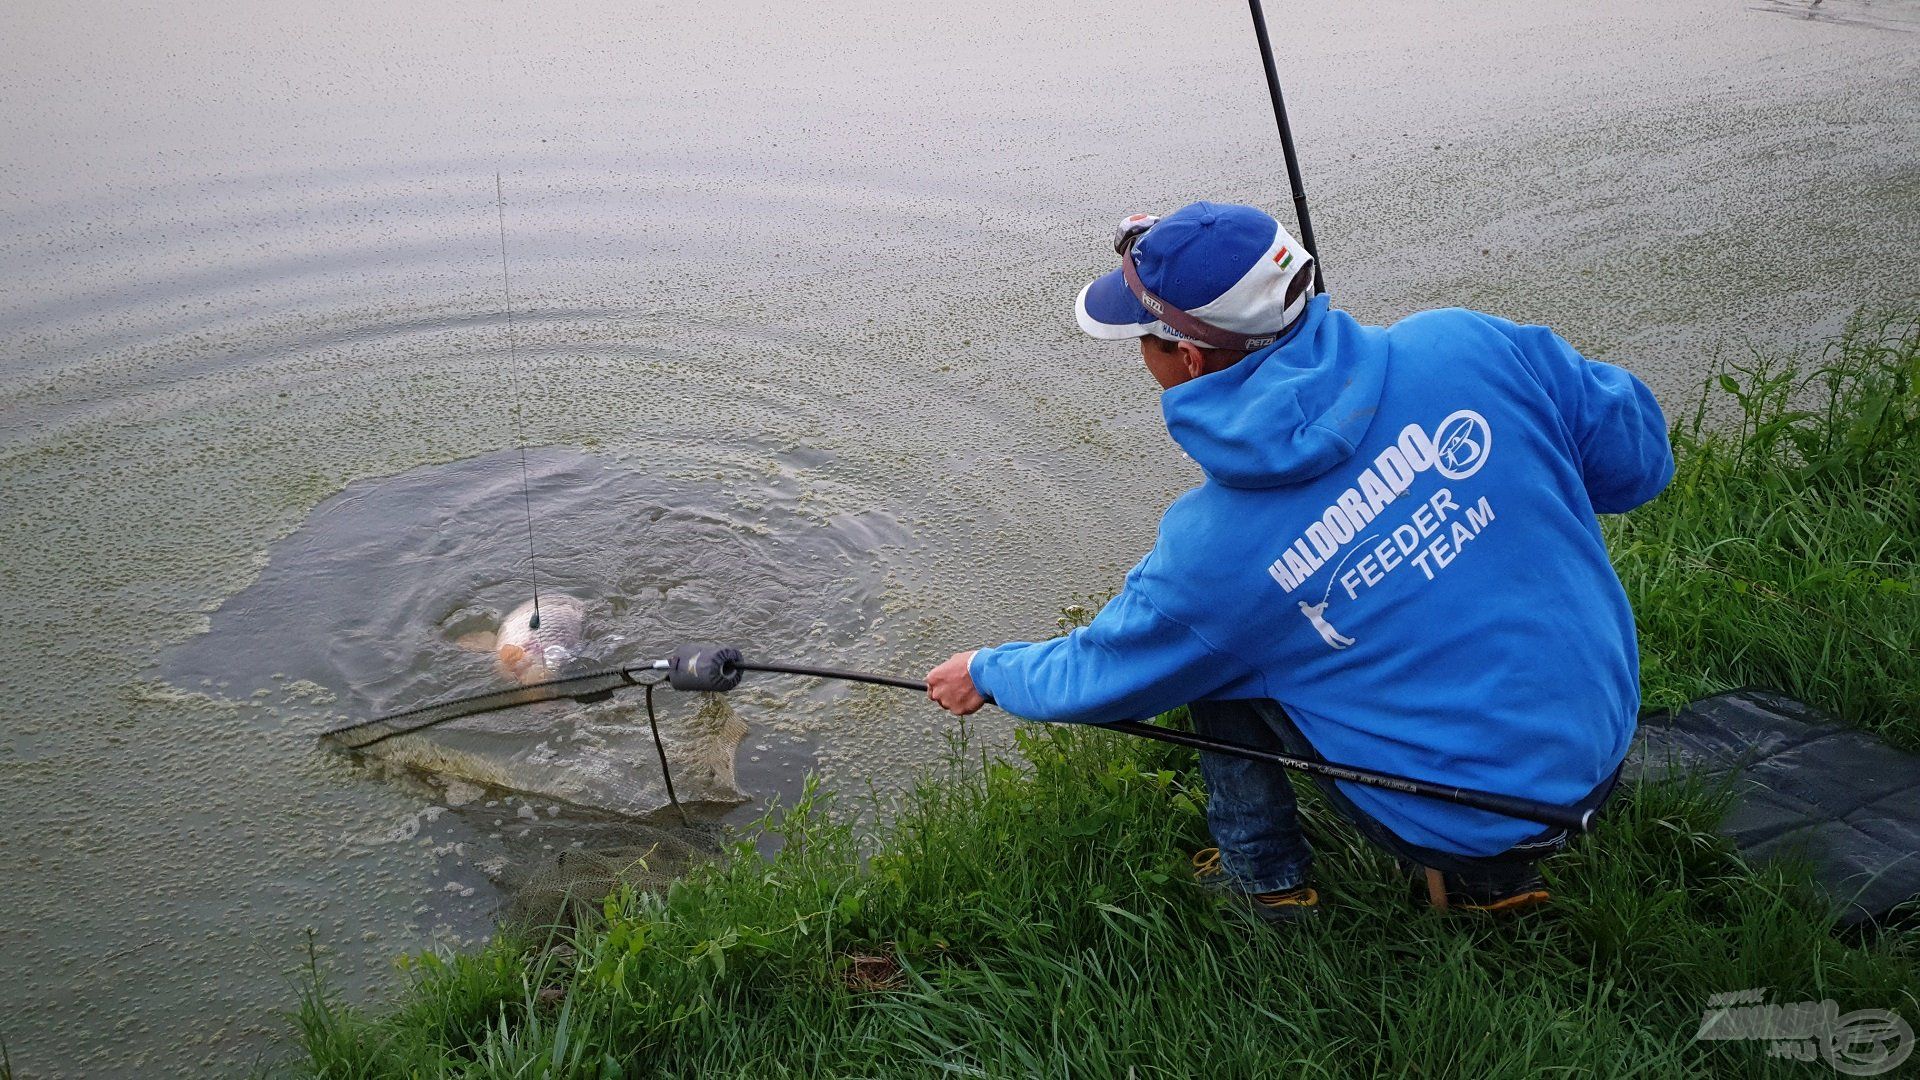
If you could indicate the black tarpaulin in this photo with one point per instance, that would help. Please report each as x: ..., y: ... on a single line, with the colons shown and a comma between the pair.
x: 1803, y: 786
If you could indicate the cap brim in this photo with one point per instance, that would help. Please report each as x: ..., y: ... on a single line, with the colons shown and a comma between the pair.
x: 1107, y: 310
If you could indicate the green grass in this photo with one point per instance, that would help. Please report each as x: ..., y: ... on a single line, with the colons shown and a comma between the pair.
x: 1043, y: 923
x: 1787, y: 551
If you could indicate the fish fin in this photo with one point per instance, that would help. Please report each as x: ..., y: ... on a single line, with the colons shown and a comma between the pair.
x: 478, y: 641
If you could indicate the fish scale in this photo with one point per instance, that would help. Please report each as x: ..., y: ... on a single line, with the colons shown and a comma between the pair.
x: 535, y: 655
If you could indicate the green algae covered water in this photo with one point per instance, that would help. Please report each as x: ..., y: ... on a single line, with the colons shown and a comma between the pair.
x: 796, y: 360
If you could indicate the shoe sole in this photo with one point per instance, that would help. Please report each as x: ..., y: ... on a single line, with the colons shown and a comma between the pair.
x: 1510, y: 905
x: 1431, y: 888
x: 1290, y: 910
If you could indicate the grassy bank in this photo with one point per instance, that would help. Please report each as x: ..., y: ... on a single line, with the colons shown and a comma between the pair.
x: 1785, y: 552
x: 1035, y: 916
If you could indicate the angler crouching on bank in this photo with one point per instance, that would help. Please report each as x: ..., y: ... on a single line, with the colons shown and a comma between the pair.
x: 1393, y: 563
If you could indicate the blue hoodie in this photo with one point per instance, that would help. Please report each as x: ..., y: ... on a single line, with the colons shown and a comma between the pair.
x: 1396, y: 541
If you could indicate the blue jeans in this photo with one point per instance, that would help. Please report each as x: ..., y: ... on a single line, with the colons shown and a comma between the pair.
x: 1253, y: 817
x: 1250, y: 805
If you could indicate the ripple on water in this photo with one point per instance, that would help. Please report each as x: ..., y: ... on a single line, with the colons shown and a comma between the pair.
x: 366, y: 602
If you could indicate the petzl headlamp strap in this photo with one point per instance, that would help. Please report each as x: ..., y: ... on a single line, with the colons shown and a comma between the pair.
x: 1192, y: 326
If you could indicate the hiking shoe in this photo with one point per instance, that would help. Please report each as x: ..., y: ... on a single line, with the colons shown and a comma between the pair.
x: 1452, y: 892
x: 1279, y: 906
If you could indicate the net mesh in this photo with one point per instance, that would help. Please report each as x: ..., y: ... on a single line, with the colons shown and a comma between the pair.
x: 565, y: 889
x: 572, y: 740
x: 593, y: 808
x: 568, y: 740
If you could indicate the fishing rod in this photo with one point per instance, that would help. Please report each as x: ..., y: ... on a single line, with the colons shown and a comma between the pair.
x: 1286, y: 145
x: 717, y: 669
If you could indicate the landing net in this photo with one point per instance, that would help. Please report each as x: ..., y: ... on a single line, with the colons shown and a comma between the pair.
x: 590, y: 687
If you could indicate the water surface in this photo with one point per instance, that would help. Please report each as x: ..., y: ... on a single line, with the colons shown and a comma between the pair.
x: 797, y: 279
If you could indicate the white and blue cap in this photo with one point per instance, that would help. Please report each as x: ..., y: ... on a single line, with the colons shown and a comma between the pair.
x: 1216, y: 274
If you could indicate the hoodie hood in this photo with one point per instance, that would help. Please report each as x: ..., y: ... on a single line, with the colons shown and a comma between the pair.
x: 1289, y: 412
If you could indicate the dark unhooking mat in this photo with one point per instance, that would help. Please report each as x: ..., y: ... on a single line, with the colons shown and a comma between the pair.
x: 1805, y: 786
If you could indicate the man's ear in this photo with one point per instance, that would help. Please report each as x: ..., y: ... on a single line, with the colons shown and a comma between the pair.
x: 1193, y: 358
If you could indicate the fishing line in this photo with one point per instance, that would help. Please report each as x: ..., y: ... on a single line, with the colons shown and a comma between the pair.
x: 513, y: 381
x: 1331, y: 578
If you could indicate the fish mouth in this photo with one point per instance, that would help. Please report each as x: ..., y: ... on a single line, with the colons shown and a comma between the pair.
x: 527, y: 665
x: 524, y: 666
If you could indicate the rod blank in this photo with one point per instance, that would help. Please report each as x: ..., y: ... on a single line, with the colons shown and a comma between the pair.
x: 1563, y: 817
